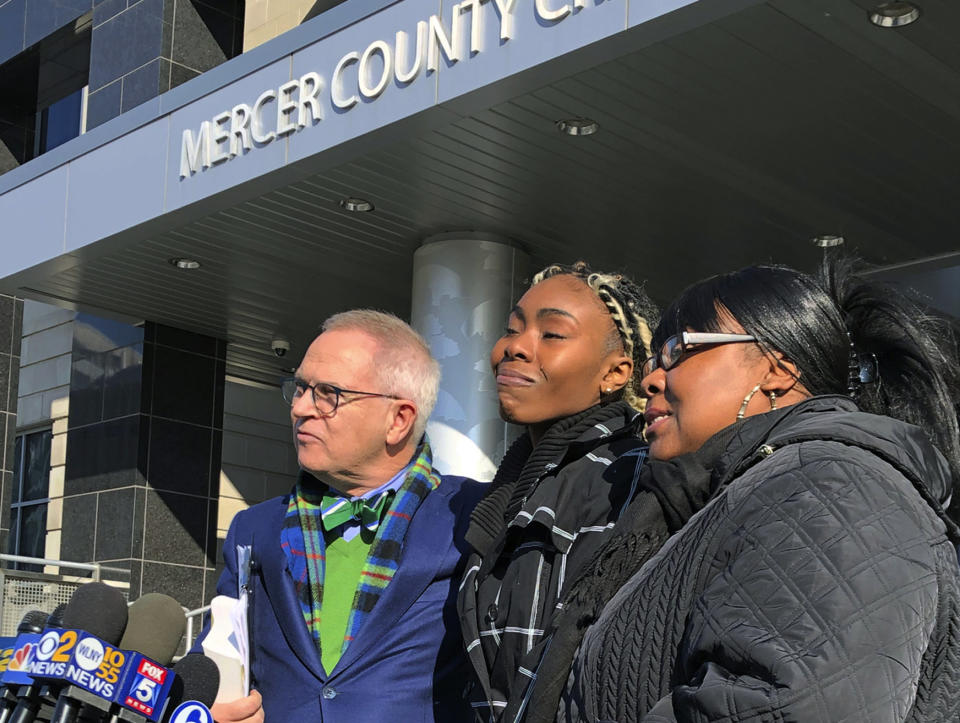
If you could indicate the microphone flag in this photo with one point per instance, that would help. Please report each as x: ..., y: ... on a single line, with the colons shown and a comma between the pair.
x: 123, y: 677
x: 191, y: 711
x: 7, y: 646
x: 16, y: 671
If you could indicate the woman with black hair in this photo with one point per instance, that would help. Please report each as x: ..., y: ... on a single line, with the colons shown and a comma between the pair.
x: 803, y: 443
x: 566, y: 369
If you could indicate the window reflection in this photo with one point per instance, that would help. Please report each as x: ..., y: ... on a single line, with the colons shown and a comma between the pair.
x: 60, y: 121
x: 28, y: 508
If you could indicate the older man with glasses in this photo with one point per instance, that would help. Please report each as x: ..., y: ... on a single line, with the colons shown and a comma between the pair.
x: 353, y: 587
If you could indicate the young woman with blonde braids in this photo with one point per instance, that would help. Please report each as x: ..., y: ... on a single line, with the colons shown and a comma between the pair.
x: 566, y: 369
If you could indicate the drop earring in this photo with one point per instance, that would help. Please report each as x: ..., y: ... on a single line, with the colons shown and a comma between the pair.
x: 773, y: 401
x: 746, y: 400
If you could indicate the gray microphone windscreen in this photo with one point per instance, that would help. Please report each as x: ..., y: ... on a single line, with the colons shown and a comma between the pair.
x: 99, y: 610
x: 199, y: 679
x: 155, y: 627
x: 33, y: 622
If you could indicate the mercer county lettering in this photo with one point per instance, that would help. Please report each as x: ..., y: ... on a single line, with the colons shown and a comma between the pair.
x: 295, y: 105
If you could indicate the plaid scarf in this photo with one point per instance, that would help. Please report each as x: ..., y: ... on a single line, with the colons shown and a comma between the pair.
x: 301, y: 538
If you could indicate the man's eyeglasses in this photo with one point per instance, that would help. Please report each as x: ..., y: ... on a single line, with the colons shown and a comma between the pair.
x: 676, y: 347
x: 326, y: 397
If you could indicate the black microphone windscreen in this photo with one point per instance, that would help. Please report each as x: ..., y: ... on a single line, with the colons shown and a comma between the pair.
x: 99, y: 610
x: 55, y: 620
x: 155, y: 627
x: 199, y: 679
x: 33, y: 622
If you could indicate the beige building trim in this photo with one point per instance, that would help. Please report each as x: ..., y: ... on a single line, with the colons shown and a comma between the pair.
x: 264, y: 20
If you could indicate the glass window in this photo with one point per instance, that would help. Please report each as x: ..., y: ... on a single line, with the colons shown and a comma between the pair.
x: 60, y: 121
x: 36, y: 466
x: 42, y: 97
x: 33, y: 531
x: 30, y: 495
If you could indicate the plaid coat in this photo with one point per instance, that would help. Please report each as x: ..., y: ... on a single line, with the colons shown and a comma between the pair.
x: 548, y: 511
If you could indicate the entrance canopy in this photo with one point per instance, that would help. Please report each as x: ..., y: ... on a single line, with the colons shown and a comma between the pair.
x: 728, y: 133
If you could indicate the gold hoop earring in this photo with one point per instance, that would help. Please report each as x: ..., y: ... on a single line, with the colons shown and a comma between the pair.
x: 746, y: 400
x: 773, y: 401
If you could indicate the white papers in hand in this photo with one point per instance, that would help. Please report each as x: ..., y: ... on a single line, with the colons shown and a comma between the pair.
x: 226, y: 645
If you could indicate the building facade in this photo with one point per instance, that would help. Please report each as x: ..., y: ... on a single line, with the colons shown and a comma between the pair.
x: 190, y: 187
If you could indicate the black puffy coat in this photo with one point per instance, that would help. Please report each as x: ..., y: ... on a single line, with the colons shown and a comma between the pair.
x: 820, y: 583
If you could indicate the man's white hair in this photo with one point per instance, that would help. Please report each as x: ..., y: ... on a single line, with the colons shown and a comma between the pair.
x: 405, y: 365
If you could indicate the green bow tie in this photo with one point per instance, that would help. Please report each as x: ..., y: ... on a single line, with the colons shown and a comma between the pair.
x: 336, y: 510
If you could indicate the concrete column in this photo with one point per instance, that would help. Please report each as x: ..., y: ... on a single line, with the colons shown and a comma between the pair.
x: 464, y: 286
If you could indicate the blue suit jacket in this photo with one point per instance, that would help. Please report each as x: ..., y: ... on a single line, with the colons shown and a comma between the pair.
x: 406, y: 665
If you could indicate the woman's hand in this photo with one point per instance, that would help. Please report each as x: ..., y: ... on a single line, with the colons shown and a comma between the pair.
x: 242, y: 710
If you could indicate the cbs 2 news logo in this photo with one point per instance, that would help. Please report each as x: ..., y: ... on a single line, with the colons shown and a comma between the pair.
x: 88, y: 653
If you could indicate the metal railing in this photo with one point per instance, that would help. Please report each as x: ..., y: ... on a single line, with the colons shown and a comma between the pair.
x: 95, y: 567
x: 191, y: 616
x: 24, y: 590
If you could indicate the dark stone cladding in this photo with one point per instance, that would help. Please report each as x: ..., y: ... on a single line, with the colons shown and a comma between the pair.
x: 144, y: 437
x: 127, y: 41
x: 13, y: 20
x: 332, y: 20
x: 104, y: 104
x: 25, y: 22
x: 140, y: 49
x: 11, y: 320
x: 42, y: 17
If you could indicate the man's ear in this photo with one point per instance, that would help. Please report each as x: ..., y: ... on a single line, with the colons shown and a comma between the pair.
x: 403, y: 416
x: 619, y: 371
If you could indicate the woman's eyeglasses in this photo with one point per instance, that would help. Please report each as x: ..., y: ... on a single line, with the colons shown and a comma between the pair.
x: 678, y: 346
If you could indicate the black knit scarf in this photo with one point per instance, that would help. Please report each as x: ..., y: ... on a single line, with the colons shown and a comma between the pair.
x: 671, y: 492
x: 522, y: 466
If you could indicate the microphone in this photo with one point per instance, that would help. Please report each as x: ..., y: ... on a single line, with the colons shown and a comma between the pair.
x: 55, y: 620
x: 197, y: 681
x: 97, y: 609
x: 33, y: 622
x: 104, y: 679
x: 94, y: 609
x: 28, y: 631
x: 155, y: 627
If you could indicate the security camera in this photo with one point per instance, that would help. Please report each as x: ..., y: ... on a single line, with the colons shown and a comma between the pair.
x: 280, y: 346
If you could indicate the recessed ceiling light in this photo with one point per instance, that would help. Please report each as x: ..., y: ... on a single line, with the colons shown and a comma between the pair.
x: 894, y: 14
x: 357, y: 205
x: 185, y: 263
x: 577, y: 126
x: 826, y: 242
